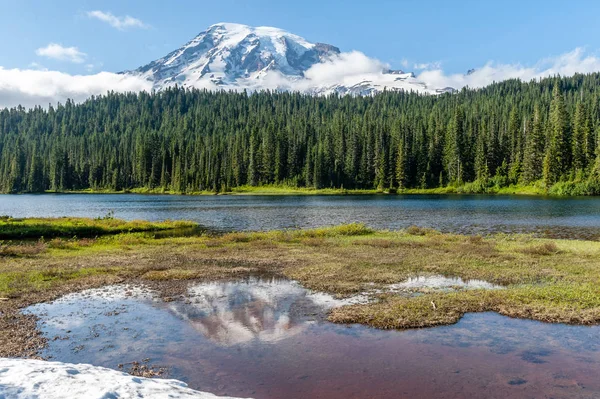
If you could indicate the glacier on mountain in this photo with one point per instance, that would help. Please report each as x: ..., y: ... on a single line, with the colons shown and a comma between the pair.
x: 238, y: 57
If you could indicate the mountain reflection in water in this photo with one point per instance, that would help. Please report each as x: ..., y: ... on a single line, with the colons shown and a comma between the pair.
x: 231, y: 313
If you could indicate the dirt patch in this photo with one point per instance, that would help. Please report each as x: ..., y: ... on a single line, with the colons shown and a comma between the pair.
x: 144, y: 369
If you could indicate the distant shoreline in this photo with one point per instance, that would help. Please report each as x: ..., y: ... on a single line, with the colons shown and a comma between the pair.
x: 532, y: 190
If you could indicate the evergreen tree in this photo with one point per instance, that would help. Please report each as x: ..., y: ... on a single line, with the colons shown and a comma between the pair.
x: 534, y: 151
x: 556, y: 161
x: 454, y: 147
x: 401, y: 165
x: 481, y: 168
x: 579, y: 140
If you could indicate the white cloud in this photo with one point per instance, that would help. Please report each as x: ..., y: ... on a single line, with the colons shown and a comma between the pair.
x: 344, y: 67
x: 353, y: 68
x: 427, y: 65
x: 120, y: 23
x: 31, y: 87
x: 576, y: 61
x: 61, y: 53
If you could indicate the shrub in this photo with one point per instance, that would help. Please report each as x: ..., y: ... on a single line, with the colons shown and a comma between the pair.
x: 419, y: 231
x: 545, y: 249
x: 22, y: 249
x: 352, y: 229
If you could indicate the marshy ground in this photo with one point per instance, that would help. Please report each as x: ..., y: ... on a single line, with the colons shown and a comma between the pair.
x: 546, y: 280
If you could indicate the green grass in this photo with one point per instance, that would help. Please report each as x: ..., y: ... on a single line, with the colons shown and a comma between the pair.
x: 290, y: 190
x: 242, y: 190
x: 12, y: 282
x: 473, y: 188
x: 34, y: 228
x: 561, y: 189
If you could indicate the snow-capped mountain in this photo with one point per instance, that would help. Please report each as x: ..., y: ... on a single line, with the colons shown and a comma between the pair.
x: 235, y: 57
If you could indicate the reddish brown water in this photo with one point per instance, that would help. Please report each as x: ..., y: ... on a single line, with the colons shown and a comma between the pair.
x: 269, y: 340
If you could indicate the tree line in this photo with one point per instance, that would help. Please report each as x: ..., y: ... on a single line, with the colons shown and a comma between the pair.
x: 543, y: 133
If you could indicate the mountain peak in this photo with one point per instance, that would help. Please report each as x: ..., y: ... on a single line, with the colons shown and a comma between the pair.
x: 227, y: 52
x: 234, y: 56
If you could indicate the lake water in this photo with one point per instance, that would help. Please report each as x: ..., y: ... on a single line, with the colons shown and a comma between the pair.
x: 269, y: 339
x: 470, y: 214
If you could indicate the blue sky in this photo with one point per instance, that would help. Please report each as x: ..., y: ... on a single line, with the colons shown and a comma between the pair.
x: 458, y: 34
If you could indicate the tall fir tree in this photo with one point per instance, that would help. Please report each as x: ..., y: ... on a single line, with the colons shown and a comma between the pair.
x: 401, y: 164
x: 534, y: 150
x: 579, y: 138
x: 556, y: 161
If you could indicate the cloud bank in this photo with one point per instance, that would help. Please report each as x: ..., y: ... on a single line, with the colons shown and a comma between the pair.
x: 353, y: 68
x: 38, y: 87
x: 120, y: 23
x: 344, y: 67
x: 568, y: 64
x: 59, y: 52
x: 30, y: 87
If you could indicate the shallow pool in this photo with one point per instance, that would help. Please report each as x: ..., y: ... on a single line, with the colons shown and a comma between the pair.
x: 269, y: 339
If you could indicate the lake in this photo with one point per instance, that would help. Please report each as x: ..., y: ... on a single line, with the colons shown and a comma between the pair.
x: 469, y: 214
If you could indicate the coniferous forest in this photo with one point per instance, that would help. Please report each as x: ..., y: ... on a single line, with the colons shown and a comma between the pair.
x: 543, y: 133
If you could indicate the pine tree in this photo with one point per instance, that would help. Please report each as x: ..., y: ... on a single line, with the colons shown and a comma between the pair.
x: 253, y: 166
x: 591, y: 138
x: 35, y: 180
x: 556, y: 161
x: 595, y: 175
x: 579, y: 139
x: 401, y: 165
x: 481, y: 168
x: 454, y: 147
x: 534, y: 151
x: 514, y: 133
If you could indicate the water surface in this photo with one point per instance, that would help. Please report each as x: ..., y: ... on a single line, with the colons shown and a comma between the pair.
x: 269, y: 339
x: 471, y: 214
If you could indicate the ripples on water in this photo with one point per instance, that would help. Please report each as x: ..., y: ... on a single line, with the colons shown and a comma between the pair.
x: 268, y: 339
x: 471, y: 214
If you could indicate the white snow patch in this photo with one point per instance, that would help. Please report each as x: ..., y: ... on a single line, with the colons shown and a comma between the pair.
x: 441, y: 282
x: 416, y: 284
x: 33, y: 379
x: 107, y: 293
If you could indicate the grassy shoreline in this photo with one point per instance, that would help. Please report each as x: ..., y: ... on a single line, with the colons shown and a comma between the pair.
x: 69, y: 227
x: 282, y: 190
x: 546, y: 280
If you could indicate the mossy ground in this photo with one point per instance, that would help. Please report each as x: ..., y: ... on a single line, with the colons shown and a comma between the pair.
x: 547, y: 280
